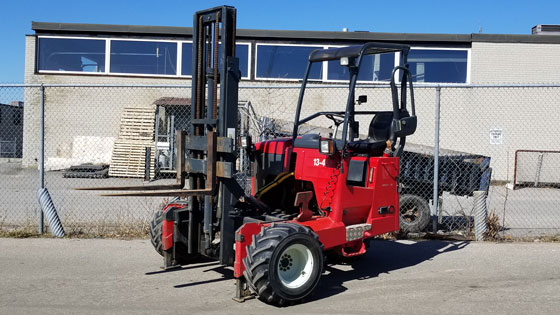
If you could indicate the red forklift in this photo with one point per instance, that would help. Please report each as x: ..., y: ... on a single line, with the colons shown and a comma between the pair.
x: 311, y: 195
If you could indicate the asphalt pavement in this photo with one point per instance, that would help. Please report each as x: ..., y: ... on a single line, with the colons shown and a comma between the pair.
x: 98, y: 276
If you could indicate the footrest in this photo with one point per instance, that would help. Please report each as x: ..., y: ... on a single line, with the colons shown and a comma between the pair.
x: 356, y: 231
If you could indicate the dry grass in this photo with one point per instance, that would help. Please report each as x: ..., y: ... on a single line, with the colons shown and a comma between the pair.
x: 19, y: 233
x: 114, y: 231
x: 24, y: 230
x: 493, y: 227
x: 534, y: 239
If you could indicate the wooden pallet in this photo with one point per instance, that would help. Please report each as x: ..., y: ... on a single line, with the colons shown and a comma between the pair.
x: 135, y: 135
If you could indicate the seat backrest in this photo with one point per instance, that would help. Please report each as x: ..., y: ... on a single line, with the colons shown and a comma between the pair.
x: 380, y: 126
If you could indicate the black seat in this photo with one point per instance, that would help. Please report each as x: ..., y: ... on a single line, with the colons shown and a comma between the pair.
x: 380, y: 126
x: 379, y: 132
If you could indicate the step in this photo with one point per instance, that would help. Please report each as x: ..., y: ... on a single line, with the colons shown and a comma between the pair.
x: 356, y: 231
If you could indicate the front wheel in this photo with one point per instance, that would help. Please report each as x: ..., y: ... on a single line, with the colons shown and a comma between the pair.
x: 182, y: 257
x: 284, y: 263
x: 155, y: 231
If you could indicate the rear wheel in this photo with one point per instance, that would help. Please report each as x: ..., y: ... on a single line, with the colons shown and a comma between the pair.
x: 414, y: 213
x: 284, y: 263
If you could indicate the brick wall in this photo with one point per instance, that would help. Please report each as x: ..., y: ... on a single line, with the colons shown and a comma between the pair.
x: 515, y: 63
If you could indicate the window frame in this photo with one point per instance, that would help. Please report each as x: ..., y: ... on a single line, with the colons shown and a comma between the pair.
x: 37, y: 51
x: 248, y: 44
x: 468, y: 74
x: 107, y: 71
x: 108, y: 58
x: 251, y: 73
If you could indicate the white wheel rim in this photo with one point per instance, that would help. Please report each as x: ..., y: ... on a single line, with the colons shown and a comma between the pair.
x: 295, y: 266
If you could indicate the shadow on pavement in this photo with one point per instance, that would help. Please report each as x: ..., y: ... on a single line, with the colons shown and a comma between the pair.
x: 201, y: 263
x: 382, y: 257
x: 226, y: 274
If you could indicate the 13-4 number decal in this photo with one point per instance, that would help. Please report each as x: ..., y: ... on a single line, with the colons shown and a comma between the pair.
x: 319, y: 162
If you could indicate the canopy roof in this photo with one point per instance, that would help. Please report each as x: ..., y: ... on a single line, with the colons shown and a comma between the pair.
x: 354, y: 51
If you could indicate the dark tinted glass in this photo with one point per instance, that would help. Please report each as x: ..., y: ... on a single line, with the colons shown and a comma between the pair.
x: 374, y: 68
x: 186, y: 59
x: 285, y: 62
x: 143, y: 57
x: 61, y: 54
x: 242, y: 52
x: 442, y: 66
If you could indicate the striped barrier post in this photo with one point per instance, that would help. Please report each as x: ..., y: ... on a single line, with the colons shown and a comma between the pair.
x: 47, y: 207
x: 479, y: 214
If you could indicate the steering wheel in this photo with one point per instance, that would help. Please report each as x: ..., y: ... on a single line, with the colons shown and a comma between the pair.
x: 337, y: 121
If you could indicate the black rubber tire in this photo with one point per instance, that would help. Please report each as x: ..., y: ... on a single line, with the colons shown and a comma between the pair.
x: 263, y: 261
x: 182, y: 257
x: 414, y: 213
x: 155, y: 231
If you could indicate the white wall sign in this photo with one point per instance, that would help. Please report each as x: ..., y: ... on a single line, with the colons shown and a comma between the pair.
x: 496, y: 136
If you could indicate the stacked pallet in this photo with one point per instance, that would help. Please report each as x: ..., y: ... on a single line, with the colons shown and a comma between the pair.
x: 135, y: 135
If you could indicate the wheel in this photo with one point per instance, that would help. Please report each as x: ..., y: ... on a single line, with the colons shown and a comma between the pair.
x: 155, y: 231
x: 414, y: 213
x: 181, y: 255
x: 284, y: 263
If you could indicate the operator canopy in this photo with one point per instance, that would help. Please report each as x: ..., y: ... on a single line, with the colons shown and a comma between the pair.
x: 355, y: 51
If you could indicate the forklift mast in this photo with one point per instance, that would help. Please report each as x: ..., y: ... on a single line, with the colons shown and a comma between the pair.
x: 214, y: 116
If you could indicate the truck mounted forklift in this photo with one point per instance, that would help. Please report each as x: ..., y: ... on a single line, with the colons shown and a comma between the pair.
x: 311, y: 195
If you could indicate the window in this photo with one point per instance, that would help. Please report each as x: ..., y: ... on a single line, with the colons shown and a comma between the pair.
x: 374, y: 68
x: 442, y: 66
x: 186, y: 63
x: 241, y: 51
x: 104, y: 56
x: 285, y: 62
x: 143, y: 57
x: 66, y: 54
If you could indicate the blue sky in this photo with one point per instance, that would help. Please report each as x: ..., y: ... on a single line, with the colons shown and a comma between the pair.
x: 404, y: 16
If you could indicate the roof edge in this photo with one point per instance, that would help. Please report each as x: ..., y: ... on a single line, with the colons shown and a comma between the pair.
x: 74, y: 28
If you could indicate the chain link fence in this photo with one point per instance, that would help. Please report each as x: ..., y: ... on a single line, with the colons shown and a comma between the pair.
x: 496, y: 139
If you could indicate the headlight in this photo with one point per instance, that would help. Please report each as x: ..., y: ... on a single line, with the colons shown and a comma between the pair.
x: 326, y: 146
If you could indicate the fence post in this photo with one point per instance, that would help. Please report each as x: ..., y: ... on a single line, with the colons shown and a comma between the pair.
x: 41, y: 222
x: 147, y: 163
x: 435, y: 201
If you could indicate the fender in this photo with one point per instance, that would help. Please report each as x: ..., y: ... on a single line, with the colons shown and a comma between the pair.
x: 168, y: 224
x: 244, y: 238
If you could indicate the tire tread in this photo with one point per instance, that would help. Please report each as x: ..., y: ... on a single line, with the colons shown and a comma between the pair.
x: 259, y: 254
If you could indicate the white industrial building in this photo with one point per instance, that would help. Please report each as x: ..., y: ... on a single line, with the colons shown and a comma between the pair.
x: 488, y: 121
